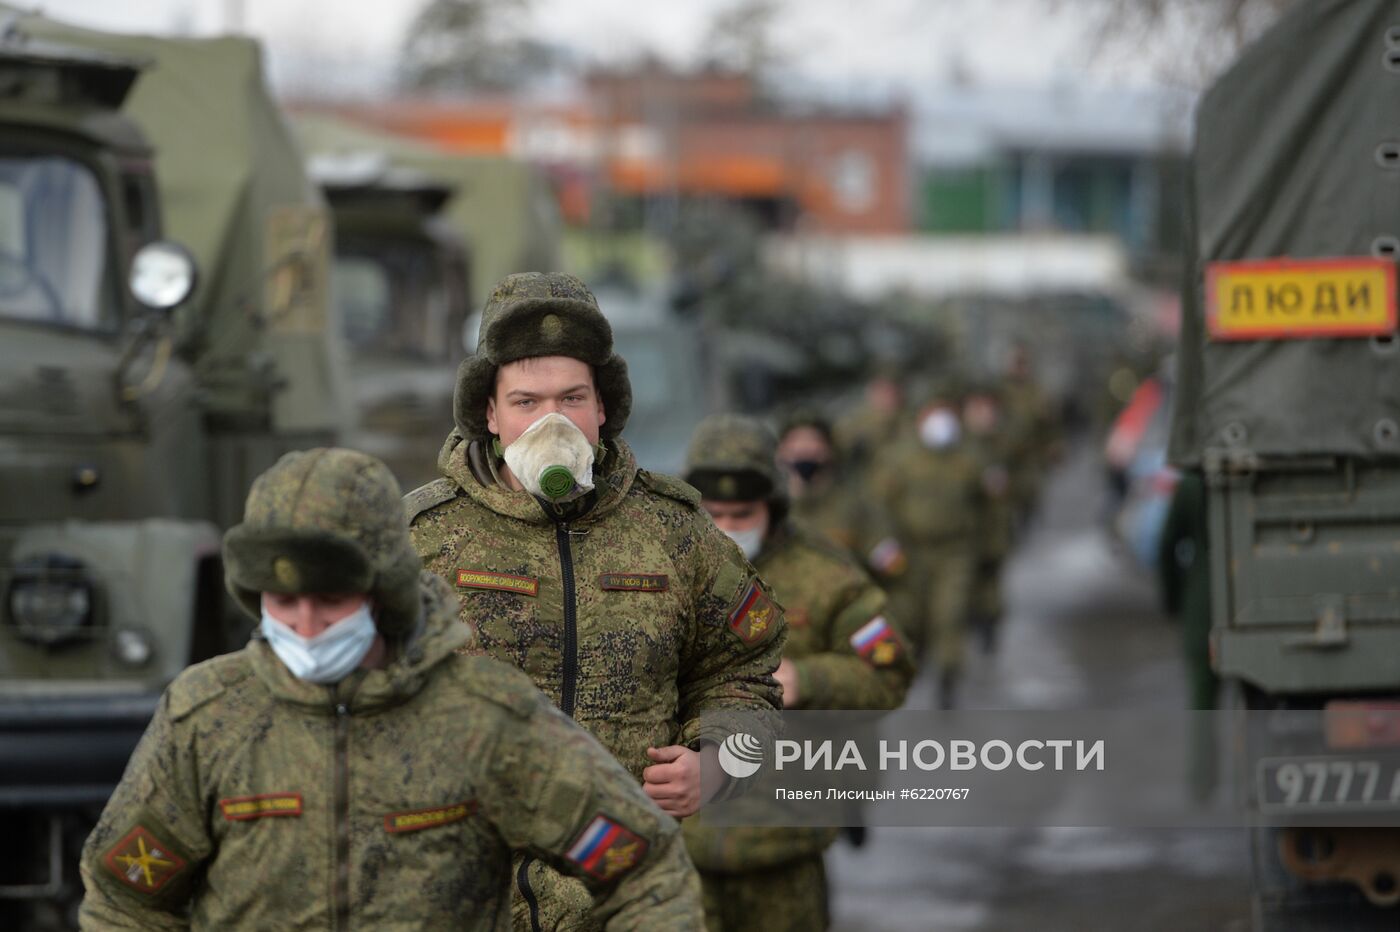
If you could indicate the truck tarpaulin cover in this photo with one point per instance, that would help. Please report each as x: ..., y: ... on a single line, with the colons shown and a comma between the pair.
x: 1297, y: 157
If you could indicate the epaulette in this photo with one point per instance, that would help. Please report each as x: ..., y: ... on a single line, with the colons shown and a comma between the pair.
x: 427, y: 497
x: 670, y: 486
x: 501, y: 684
x: 204, y: 682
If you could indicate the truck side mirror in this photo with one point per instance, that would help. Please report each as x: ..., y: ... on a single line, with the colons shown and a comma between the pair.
x: 162, y: 275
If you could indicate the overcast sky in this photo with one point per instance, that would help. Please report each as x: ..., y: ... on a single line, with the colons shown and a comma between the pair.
x: 895, y: 44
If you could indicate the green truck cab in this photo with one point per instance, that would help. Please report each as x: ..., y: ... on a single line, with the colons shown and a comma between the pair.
x: 400, y: 286
x: 1288, y: 403
x: 143, y: 385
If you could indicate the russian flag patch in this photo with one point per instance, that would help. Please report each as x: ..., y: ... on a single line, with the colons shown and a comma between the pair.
x: 877, y: 642
x: 605, y: 849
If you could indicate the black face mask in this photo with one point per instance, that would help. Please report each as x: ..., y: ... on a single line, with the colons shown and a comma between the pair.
x: 807, y: 468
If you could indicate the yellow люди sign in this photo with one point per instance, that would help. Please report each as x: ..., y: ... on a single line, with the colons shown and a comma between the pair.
x: 1287, y: 299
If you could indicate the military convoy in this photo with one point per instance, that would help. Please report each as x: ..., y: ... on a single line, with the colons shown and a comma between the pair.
x: 399, y: 283
x: 1288, y: 401
x: 143, y: 383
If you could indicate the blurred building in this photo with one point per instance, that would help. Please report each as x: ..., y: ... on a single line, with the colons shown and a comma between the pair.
x: 650, y: 135
x: 1053, y: 160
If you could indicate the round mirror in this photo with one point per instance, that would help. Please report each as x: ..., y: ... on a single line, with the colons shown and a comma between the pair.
x: 162, y: 275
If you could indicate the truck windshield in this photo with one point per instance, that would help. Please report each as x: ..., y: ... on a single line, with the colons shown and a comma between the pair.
x: 391, y: 299
x: 53, y: 237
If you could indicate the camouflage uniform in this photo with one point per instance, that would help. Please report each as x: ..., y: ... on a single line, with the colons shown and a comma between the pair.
x: 628, y: 608
x: 1033, y: 437
x: 392, y: 799
x: 934, y: 498
x: 995, y: 529
x: 846, y: 655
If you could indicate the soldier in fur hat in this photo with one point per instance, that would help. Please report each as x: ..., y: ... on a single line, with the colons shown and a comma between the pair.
x: 351, y: 767
x: 604, y: 582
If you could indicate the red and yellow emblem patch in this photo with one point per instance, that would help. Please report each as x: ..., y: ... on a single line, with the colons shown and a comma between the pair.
x: 243, y: 808
x: 605, y: 849
x: 501, y: 582
x: 753, y: 617
x: 418, y: 819
x: 142, y: 861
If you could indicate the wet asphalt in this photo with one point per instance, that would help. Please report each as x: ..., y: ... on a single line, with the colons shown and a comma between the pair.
x: 1082, y: 630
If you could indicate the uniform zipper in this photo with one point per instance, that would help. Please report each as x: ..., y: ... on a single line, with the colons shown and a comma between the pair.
x: 341, y: 905
x: 522, y: 879
x: 566, y: 569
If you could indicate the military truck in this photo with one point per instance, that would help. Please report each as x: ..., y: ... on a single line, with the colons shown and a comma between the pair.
x: 143, y: 385
x: 1288, y: 401
x: 400, y: 285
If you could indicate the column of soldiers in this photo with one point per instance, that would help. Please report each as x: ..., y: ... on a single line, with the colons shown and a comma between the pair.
x: 489, y: 706
x: 928, y: 496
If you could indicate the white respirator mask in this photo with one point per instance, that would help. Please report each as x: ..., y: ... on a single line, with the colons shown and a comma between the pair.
x: 330, y: 656
x: 553, y: 459
x: 940, y: 430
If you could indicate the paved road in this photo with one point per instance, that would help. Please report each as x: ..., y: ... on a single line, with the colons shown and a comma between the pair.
x: 1082, y: 631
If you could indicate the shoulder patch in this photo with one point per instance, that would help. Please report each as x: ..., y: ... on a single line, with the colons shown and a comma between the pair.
x: 143, y: 862
x: 205, y: 682
x: 878, y: 642
x: 752, y: 619
x: 427, y: 497
x: 670, y: 486
x: 501, y: 684
x: 606, y: 849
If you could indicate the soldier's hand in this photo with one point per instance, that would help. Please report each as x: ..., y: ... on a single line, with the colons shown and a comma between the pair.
x: 674, y: 781
x: 786, y: 675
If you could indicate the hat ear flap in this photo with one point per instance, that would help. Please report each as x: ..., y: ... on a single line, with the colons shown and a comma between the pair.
x: 615, y: 389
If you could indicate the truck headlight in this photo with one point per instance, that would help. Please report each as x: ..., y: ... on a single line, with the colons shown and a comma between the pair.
x: 50, y: 599
x: 132, y: 647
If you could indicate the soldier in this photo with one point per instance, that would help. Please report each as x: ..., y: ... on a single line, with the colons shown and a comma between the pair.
x: 989, y: 444
x: 865, y: 435
x: 842, y: 652
x: 824, y: 500
x: 351, y: 765
x: 931, y: 489
x: 1033, y: 428
x: 606, y: 583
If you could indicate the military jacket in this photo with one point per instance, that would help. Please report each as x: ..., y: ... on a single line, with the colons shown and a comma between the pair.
x: 994, y: 533
x: 933, y: 497
x: 391, y: 800
x: 637, y: 617
x: 847, y: 654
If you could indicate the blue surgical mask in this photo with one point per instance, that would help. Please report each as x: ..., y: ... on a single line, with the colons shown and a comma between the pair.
x: 330, y: 656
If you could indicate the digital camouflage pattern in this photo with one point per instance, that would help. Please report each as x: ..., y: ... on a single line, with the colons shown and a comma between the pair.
x: 390, y: 800
x: 326, y: 520
x: 934, y: 500
x: 792, y: 895
x: 847, y: 655
x: 628, y: 609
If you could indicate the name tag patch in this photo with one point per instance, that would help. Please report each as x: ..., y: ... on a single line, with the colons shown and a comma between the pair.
x: 634, y: 582
x: 243, y: 808
x: 416, y: 820
x: 501, y: 582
